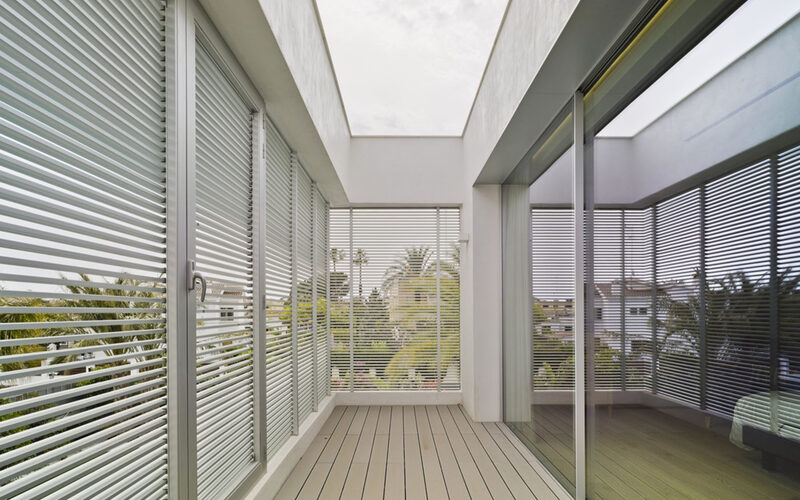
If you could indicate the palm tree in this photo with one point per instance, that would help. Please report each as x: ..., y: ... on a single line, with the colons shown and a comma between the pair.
x: 337, y: 255
x: 414, y: 264
x: 452, y: 266
x: 143, y: 305
x: 737, y: 311
x: 360, y: 260
x: 10, y: 301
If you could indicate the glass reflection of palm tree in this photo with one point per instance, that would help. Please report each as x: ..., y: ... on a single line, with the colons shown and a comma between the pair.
x: 737, y: 308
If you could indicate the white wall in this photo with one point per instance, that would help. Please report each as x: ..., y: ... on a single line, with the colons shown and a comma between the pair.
x: 529, y: 31
x: 405, y: 171
x: 751, y: 102
x: 297, y: 31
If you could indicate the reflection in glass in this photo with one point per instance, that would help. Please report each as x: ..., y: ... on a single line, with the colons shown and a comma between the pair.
x: 549, y: 429
x: 693, y: 372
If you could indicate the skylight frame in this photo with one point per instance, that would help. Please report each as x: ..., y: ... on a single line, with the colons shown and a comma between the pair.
x: 415, y: 135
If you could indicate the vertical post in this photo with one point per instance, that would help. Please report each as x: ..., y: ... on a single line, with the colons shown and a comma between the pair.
x: 259, y: 303
x: 701, y: 317
x: 580, y: 297
x: 622, y: 316
x: 295, y: 355
x: 314, y: 235
x: 653, y: 300
x: 329, y: 338
x: 181, y: 414
x: 352, y: 302
x: 774, y: 296
x: 438, y: 305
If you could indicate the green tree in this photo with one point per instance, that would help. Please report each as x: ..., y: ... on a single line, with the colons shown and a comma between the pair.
x: 337, y: 255
x: 126, y: 299
x: 413, y: 278
x: 414, y: 264
x: 360, y: 259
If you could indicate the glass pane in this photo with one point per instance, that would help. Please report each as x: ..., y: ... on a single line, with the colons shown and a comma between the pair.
x: 693, y: 353
x: 548, y: 430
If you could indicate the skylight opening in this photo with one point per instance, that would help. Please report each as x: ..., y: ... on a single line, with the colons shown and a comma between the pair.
x: 752, y: 23
x: 409, y: 67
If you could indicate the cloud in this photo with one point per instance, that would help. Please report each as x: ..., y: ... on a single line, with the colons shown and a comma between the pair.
x: 409, y: 67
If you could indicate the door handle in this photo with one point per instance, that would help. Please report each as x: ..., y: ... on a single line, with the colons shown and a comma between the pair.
x: 193, y: 276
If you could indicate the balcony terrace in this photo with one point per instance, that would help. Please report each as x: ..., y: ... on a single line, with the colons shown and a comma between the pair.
x: 303, y: 249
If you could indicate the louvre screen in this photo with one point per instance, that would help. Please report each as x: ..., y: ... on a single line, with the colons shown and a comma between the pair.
x: 303, y: 290
x: 676, y: 372
x: 787, y: 277
x: 224, y: 252
x: 737, y: 291
x: 622, y: 268
x: 695, y: 297
x: 552, y: 285
x: 278, y: 289
x: 320, y: 296
x: 610, y: 299
x: 394, y: 301
x: 131, y: 149
x: 636, y: 307
x: 83, y: 406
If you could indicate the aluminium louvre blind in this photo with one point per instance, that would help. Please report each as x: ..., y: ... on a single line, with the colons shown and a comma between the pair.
x: 321, y: 296
x: 394, y: 302
x: 622, y: 298
x: 450, y: 298
x: 609, y: 299
x: 82, y: 256
x: 638, y: 275
x: 278, y: 289
x: 304, y: 230
x: 339, y: 297
x: 224, y: 253
x: 552, y: 286
x: 737, y: 276
x: 788, y: 270
x: 622, y: 293
x: 399, y: 342
x: 677, y: 261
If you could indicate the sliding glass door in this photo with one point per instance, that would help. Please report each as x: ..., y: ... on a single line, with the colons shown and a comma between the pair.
x: 539, y: 357
x: 680, y: 228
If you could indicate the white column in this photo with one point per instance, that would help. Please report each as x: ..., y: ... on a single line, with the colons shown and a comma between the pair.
x: 481, y: 303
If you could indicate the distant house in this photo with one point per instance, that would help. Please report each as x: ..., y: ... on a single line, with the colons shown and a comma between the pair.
x: 607, y: 320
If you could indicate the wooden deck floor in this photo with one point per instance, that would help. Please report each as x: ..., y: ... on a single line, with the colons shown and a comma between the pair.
x: 414, y: 452
x: 639, y: 452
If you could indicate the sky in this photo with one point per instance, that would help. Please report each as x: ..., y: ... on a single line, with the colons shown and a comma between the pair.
x: 409, y: 67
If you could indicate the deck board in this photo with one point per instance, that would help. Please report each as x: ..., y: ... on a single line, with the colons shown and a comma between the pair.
x: 433, y: 452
